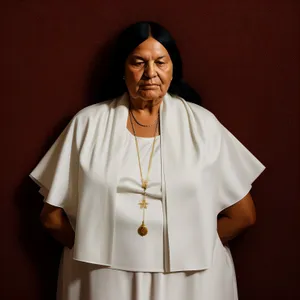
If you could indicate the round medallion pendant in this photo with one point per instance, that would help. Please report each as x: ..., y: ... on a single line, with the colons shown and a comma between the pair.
x: 142, y: 230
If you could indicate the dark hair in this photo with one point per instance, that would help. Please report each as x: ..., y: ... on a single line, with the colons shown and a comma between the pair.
x: 127, y: 41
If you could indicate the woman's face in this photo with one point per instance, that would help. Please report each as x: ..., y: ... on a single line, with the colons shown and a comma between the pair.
x: 148, y: 71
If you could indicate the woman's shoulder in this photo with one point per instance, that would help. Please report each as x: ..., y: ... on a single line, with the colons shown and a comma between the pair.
x: 200, y: 110
x: 200, y: 114
x: 89, y: 116
x: 94, y: 110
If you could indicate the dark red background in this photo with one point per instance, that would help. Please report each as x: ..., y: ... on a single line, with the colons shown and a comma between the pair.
x: 242, y: 56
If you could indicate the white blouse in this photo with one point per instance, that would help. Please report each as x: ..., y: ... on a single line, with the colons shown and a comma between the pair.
x: 93, y: 175
x: 132, y: 252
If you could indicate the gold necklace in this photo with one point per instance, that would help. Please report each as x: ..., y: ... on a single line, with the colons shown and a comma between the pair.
x: 143, y: 125
x: 143, y: 230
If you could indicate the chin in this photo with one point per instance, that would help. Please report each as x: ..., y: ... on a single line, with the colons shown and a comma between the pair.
x: 149, y: 95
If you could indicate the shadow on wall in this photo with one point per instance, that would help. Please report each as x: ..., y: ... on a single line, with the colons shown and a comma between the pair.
x: 41, y: 249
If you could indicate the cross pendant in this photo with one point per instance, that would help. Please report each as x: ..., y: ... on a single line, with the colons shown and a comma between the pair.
x: 143, y: 204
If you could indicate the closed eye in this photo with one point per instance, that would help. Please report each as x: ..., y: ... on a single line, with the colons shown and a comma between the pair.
x: 140, y: 63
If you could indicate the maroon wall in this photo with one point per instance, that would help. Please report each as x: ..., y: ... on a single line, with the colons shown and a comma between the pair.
x: 242, y: 56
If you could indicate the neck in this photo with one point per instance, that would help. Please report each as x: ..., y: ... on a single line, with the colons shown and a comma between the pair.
x: 145, y: 107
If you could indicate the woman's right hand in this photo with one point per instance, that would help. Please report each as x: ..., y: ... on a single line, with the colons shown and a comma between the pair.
x: 57, y: 224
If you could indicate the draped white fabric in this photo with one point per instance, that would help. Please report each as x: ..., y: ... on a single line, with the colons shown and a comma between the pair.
x: 82, y: 281
x: 131, y: 252
x: 205, y: 169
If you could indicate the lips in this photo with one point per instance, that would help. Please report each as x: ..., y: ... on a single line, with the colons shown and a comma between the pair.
x: 148, y: 86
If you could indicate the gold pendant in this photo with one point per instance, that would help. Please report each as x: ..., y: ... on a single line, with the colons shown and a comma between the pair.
x: 143, y: 204
x: 142, y: 230
x: 145, y: 184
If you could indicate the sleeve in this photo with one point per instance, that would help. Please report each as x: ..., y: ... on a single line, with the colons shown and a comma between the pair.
x: 237, y: 169
x: 57, y: 172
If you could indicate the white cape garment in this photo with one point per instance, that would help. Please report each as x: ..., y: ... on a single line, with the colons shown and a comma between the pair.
x: 205, y: 169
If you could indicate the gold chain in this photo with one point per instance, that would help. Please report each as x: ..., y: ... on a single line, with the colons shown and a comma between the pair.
x: 139, y: 123
x: 143, y: 230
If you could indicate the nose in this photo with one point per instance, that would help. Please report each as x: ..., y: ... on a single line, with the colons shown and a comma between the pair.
x: 150, y: 71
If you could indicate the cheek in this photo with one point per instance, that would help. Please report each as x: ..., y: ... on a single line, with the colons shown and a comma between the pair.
x: 133, y: 76
x: 166, y: 74
x: 132, y: 80
x: 166, y: 77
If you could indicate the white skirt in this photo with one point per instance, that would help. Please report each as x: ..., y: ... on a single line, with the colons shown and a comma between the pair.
x: 84, y: 281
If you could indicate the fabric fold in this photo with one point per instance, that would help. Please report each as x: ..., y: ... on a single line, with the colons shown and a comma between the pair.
x: 205, y: 169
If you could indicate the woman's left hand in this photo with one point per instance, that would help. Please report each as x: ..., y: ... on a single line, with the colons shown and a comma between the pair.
x: 236, y: 218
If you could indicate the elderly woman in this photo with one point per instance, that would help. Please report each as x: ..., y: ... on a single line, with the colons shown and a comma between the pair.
x: 146, y: 189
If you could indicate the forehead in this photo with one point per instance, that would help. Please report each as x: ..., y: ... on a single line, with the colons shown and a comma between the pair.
x: 150, y: 48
